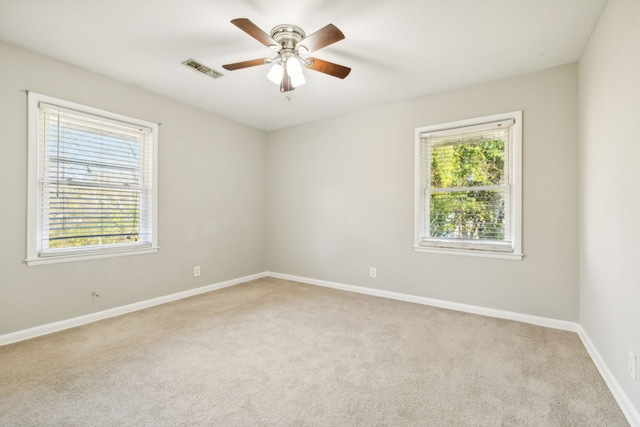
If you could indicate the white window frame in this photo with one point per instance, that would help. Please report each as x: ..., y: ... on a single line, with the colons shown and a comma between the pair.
x: 34, y: 208
x: 422, y: 242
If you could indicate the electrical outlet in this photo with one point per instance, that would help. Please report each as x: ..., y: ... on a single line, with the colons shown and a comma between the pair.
x: 196, y: 271
x: 632, y: 365
x: 372, y: 272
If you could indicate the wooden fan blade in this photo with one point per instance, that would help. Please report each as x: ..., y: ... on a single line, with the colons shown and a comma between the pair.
x: 254, y: 31
x: 245, y: 64
x: 322, y: 38
x: 327, y: 67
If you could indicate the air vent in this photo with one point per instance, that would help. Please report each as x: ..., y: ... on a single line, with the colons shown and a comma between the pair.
x: 192, y: 63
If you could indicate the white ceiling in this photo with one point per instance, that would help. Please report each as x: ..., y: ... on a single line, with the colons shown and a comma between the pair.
x: 397, y: 49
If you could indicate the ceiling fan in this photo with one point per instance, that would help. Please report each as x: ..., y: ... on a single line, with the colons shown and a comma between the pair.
x: 290, y: 42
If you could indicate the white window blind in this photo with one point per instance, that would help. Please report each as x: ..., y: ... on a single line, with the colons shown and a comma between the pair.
x: 467, y: 196
x: 95, y: 183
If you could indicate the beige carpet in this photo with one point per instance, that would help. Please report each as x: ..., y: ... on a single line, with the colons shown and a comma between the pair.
x: 277, y: 353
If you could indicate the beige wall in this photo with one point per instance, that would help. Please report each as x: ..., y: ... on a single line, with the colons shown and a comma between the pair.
x: 338, y: 195
x: 609, y: 195
x: 211, y: 183
x: 341, y: 199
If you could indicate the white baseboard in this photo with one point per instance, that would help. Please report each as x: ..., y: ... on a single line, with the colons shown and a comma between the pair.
x: 501, y: 314
x: 117, y: 311
x: 629, y: 410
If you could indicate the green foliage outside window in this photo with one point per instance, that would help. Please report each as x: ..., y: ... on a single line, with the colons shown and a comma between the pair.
x: 467, y: 194
x: 83, y: 217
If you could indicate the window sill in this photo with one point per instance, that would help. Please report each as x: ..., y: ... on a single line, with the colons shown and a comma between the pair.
x: 470, y: 252
x: 84, y: 257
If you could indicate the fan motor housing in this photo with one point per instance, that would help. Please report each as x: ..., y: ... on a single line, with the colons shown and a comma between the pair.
x: 287, y: 35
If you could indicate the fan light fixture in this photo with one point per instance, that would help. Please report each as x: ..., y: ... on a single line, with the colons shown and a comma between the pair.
x: 289, y: 69
x: 294, y: 69
x: 275, y: 73
x: 290, y: 42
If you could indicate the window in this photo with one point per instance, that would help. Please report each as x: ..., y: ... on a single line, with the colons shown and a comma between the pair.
x: 92, y: 183
x: 468, y: 187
